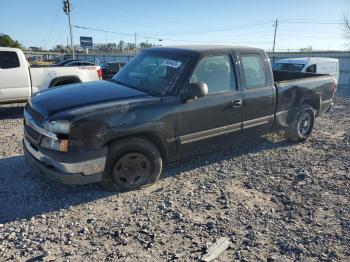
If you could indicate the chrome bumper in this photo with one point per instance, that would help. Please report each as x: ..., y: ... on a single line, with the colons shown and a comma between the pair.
x: 88, y: 167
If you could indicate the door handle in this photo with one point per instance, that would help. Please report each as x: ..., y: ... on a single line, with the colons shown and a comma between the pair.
x: 236, y: 103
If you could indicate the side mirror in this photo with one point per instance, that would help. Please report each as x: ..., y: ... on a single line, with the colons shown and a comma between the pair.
x: 196, y: 90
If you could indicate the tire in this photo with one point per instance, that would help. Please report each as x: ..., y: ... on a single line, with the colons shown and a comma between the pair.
x: 131, y: 164
x: 302, y: 125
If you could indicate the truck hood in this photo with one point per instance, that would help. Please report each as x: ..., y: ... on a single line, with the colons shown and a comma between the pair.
x: 85, y: 97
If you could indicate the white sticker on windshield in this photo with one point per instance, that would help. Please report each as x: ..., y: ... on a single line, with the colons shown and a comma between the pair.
x: 171, y: 63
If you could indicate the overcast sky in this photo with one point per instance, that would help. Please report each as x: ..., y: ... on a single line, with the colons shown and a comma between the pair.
x: 249, y: 22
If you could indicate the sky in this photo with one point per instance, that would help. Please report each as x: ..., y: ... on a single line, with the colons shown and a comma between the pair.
x: 302, y: 23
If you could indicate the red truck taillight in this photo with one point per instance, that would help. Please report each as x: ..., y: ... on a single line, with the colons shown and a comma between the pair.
x: 99, y: 73
x: 334, y: 86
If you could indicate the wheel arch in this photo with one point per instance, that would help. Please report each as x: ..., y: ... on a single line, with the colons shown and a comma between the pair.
x: 313, y: 101
x: 64, y: 80
x: 158, y: 140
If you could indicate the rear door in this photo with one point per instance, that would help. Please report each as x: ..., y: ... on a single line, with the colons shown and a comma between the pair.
x: 258, y: 93
x: 14, y: 77
x: 211, y: 120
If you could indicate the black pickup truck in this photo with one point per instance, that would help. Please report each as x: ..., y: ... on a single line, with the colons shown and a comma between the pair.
x: 165, y: 104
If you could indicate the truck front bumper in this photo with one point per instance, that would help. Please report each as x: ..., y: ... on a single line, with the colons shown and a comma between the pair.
x: 74, y: 168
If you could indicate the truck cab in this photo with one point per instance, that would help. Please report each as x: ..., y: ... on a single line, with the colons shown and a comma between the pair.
x: 15, y: 81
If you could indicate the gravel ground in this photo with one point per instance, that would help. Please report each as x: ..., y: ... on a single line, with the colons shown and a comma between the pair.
x: 274, y: 200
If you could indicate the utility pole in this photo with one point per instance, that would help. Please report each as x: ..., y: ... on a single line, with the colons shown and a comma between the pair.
x: 67, y: 9
x: 274, y: 39
x: 135, y: 43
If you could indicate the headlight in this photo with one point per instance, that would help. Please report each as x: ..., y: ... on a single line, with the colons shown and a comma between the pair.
x: 59, y: 145
x: 58, y: 127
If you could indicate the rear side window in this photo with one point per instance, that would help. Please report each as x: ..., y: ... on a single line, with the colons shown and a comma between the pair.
x: 311, y: 69
x: 8, y: 60
x: 216, y: 72
x: 253, y: 71
x: 288, y: 67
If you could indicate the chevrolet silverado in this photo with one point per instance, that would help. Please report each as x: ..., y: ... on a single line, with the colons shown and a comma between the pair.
x: 165, y: 104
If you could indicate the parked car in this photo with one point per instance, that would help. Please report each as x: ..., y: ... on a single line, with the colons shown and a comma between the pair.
x: 167, y: 104
x: 19, y: 81
x: 80, y: 63
x: 316, y: 65
x: 34, y: 59
x: 64, y: 62
x: 110, y: 69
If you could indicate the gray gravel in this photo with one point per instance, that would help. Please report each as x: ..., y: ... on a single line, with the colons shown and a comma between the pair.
x: 274, y: 200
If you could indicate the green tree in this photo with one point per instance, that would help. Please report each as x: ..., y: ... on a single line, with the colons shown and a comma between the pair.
x: 7, y: 41
x: 144, y: 45
x: 121, y: 46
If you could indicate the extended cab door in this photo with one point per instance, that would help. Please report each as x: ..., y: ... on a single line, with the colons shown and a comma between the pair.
x: 210, y: 120
x: 258, y: 93
x: 14, y: 77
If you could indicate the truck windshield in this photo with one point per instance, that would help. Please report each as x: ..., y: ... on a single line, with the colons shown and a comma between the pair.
x: 153, y: 73
x: 288, y: 67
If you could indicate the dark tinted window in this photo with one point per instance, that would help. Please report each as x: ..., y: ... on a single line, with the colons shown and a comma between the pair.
x: 288, y: 67
x: 311, y: 69
x: 254, y: 71
x: 215, y: 71
x: 8, y: 60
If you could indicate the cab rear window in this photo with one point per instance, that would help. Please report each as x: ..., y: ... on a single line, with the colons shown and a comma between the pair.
x: 8, y: 60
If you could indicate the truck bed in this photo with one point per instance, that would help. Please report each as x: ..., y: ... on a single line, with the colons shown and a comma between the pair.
x: 296, y: 88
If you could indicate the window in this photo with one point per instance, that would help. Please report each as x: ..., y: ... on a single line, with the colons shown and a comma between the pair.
x: 288, y: 67
x: 155, y: 73
x: 311, y: 69
x: 8, y: 60
x: 215, y: 71
x: 254, y: 71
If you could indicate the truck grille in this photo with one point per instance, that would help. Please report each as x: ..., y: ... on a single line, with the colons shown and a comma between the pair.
x: 33, y: 136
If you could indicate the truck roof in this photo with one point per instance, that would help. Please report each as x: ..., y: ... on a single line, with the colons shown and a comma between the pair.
x: 204, y: 49
x: 9, y: 49
x: 305, y: 60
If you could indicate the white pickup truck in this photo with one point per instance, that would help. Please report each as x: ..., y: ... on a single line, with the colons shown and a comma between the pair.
x: 18, y: 81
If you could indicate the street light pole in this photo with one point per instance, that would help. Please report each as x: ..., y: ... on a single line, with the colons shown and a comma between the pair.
x: 67, y: 9
x: 274, y: 40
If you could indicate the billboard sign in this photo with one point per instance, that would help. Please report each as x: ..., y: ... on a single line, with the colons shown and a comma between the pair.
x: 86, y: 41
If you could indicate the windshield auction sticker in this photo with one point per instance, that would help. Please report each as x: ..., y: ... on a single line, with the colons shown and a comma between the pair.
x: 171, y: 63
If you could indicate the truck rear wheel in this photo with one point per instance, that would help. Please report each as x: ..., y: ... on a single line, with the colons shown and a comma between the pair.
x: 302, y: 125
x: 132, y: 163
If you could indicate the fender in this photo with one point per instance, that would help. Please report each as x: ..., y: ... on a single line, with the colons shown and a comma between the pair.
x: 147, y: 131
x: 64, y: 80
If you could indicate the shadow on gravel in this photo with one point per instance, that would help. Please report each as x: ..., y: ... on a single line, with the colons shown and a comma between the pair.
x: 251, y: 146
x: 23, y: 195
x: 11, y: 112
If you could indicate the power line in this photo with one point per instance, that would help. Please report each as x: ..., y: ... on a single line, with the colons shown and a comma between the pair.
x: 161, y: 39
x: 53, y: 24
x: 220, y: 29
x: 310, y: 22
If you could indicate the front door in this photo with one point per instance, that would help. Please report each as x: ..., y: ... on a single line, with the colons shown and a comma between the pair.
x: 207, y: 121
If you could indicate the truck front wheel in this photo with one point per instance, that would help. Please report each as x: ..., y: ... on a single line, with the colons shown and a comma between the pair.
x: 302, y: 125
x: 132, y: 163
